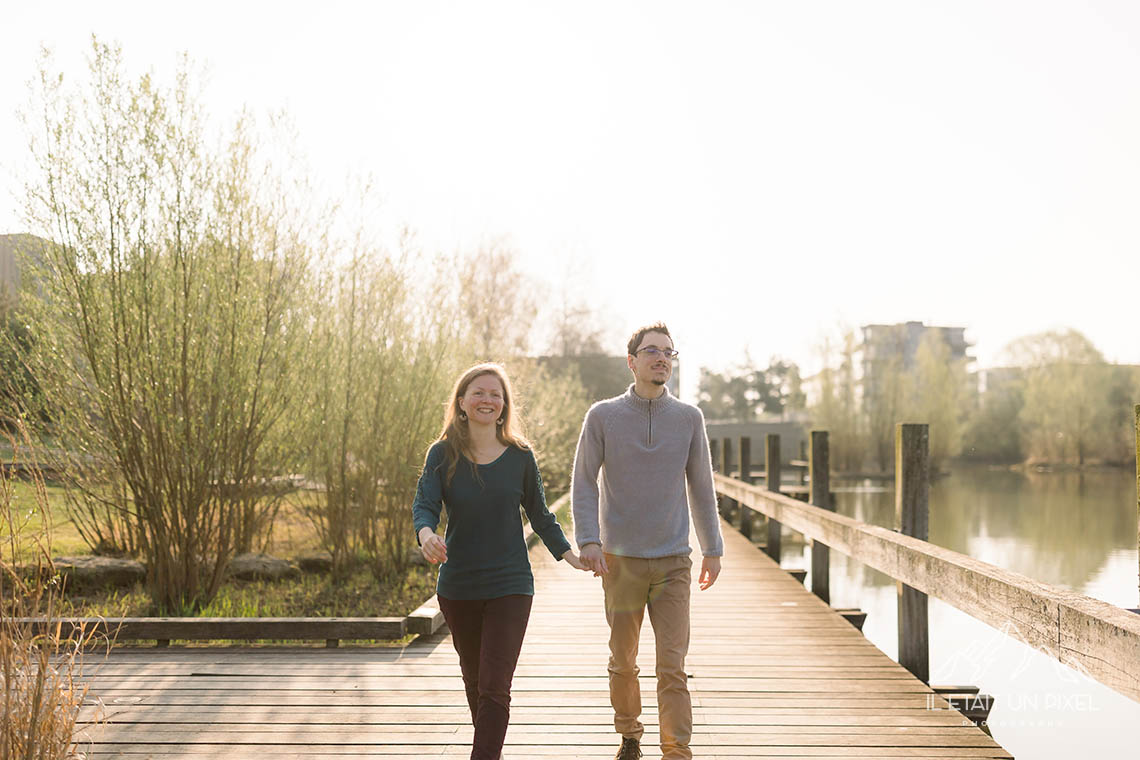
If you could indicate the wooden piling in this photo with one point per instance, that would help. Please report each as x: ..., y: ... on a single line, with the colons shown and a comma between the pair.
x: 746, y: 476
x: 912, y: 518
x: 726, y: 504
x: 820, y: 474
x: 772, y: 483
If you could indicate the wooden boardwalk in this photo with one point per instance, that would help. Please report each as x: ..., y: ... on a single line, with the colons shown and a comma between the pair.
x: 774, y: 673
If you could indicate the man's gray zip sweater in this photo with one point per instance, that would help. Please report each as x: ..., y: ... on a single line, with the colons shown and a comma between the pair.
x: 636, y: 459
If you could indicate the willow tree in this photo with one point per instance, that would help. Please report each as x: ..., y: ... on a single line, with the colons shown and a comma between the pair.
x: 936, y: 394
x: 836, y: 407
x: 168, y: 315
x: 385, y: 353
x: 1066, y: 405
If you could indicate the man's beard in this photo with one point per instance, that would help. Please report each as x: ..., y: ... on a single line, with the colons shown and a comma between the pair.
x: 655, y: 381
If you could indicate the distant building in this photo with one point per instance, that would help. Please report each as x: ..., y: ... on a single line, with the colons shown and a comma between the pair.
x: 897, y: 345
x: 883, y: 342
x: 889, y: 346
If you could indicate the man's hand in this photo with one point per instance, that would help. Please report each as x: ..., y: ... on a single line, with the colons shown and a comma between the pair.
x: 432, y: 546
x: 592, y: 557
x: 710, y: 569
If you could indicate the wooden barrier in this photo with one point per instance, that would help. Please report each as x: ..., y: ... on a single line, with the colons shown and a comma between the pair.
x: 1095, y: 637
x: 745, y: 474
x: 820, y: 482
x: 772, y: 483
x: 726, y: 504
x: 912, y: 518
x: 163, y: 630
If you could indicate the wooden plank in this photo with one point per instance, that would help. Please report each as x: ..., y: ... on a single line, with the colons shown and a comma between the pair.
x: 791, y: 679
x: 426, y: 619
x: 413, y: 752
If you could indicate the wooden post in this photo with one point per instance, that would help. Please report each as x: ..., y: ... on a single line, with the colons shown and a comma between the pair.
x: 746, y: 476
x: 820, y: 474
x: 714, y: 453
x: 803, y: 456
x: 726, y: 503
x: 912, y: 518
x: 1138, y: 488
x: 772, y: 483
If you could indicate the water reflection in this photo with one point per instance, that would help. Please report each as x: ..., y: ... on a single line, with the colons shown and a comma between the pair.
x: 1075, y: 530
x: 1059, y: 528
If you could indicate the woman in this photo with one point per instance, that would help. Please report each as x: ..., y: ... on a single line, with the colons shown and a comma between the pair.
x: 481, y: 470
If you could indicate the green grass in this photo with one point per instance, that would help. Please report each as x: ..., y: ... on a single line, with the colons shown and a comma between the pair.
x: 310, y: 595
x: 360, y: 595
x: 65, y: 538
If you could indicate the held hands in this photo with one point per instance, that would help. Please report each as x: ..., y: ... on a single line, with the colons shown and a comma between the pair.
x: 592, y: 558
x: 573, y: 561
x: 432, y: 546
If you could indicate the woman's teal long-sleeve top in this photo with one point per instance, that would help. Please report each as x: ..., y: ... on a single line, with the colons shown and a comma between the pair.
x: 486, y: 554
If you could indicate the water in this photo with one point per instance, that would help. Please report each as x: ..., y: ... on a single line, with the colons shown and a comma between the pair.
x: 1074, y: 530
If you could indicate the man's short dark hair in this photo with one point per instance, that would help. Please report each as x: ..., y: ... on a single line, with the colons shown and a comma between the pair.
x: 639, y: 335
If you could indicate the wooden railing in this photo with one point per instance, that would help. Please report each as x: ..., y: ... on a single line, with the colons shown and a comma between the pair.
x: 1095, y: 637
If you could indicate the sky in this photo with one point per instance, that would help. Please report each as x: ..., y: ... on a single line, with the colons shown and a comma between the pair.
x: 757, y: 174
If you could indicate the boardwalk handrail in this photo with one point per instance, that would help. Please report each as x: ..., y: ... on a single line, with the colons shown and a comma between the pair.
x: 1093, y: 636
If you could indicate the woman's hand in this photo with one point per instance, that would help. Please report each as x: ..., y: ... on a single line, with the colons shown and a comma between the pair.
x: 432, y: 546
x: 573, y: 561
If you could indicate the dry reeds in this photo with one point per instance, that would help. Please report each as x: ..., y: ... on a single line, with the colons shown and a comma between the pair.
x: 40, y: 666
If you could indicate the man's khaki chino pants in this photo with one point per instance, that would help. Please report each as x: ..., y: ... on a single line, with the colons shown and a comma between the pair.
x: 663, y: 586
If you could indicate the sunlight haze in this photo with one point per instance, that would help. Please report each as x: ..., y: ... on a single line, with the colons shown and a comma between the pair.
x: 753, y: 173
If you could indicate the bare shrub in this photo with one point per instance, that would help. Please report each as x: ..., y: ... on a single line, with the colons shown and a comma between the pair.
x: 40, y: 667
x: 170, y: 312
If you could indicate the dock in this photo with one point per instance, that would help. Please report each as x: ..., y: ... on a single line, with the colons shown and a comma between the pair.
x: 774, y: 672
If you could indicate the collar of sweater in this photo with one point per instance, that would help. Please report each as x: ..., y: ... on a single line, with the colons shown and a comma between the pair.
x: 644, y: 405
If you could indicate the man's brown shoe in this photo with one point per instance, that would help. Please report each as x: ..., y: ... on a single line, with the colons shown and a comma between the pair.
x: 630, y: 750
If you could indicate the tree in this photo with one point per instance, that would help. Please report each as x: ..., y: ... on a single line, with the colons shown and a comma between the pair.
x: 169, y: 318
x: 380, y: 370
x: 743, y: 392
x: 883, y: 386
x: 18, y: 387
x: 935, y: 395
x: 497, y: 300
x: 728, y: 396
x: 1065, y: 401
x: 993, y: 431
x: 779, y: 387
x: 836, y: 408
x: 1121, y: 396
x: 553, y: 403
x: 576, y: 327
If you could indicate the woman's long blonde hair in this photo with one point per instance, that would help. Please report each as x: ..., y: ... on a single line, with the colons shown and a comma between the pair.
x: 456, y: 436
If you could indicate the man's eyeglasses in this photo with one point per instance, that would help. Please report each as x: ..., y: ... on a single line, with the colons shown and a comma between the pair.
x: 656, y: 352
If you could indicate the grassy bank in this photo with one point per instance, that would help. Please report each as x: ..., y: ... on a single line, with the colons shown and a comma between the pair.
x: 359, y: 595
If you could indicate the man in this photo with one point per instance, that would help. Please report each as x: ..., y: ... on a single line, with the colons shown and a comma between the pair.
x: 632, y: 529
